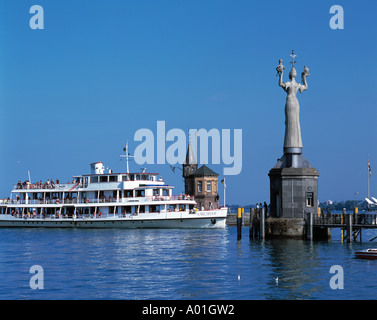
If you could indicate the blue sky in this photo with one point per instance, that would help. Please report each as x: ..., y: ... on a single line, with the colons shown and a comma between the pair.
x: 76, y: 91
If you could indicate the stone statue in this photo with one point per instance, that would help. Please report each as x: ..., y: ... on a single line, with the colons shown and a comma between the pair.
x: 292, y: 138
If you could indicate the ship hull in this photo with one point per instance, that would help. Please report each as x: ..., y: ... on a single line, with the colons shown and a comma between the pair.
x: 210, y: 221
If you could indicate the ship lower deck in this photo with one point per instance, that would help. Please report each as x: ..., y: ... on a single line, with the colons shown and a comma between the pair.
x: 203, y: 219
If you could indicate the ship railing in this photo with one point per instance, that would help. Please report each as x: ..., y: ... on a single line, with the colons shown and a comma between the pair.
x: 96, y: 200
x: 135, y: 199
x: 44, y: 186
x: 164, y: 198
x: 43, y: 201
x: 31, y: 216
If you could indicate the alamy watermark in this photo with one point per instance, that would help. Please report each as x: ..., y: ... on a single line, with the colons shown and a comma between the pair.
x: 337, y: 20
x: 337, y: 280
x: 37, y: 280
x: 152, y: 148
x: 37, y: 20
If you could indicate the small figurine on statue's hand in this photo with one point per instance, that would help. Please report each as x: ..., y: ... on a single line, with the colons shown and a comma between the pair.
x: 305, y: 73
x: 280, y: 67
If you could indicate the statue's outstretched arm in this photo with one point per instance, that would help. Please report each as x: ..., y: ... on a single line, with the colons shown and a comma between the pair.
x: 304, y: 85
x: 305, y: 74
x: 281, y: 83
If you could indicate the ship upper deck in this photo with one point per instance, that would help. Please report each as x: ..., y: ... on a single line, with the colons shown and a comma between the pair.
x: 103, y: 181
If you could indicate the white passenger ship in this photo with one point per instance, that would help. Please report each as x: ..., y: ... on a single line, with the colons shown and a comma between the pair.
x: 104, y: 199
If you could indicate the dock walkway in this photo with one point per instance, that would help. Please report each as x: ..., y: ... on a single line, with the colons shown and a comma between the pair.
x: 351, y: 223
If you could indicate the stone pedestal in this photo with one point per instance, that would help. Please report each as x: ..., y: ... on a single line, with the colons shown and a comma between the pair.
x: 293, y: 190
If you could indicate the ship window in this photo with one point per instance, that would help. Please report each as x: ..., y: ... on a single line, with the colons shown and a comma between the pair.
x: 200, y: 186
x: 125, y: 178
x: 128, y: 194
x: 113, y: 178
x: 93, y: 179
x: 126, y: 209
x: 140, y: 193
x: 165, y: 192
x: 309, y: 199
x: 155, y: 192
x: 209, y: 186
x: 103, y: 178
x: 154, y: 208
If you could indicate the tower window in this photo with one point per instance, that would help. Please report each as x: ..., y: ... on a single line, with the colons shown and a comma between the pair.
x: 309, y: 199
x: 209, y: 186
x: 200, y: 186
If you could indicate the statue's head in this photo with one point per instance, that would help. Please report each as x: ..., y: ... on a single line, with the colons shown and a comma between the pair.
x: 292, y: 73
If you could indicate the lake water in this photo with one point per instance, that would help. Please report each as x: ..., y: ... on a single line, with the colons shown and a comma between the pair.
x: 178, y: 265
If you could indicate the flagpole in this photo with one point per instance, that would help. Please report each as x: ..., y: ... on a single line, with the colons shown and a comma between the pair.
x: 368, y: 185
x: 369, y: 171
x: 224, y: 191
x: 369, y: 176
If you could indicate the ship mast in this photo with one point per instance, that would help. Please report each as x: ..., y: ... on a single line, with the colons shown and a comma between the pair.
x: 127, y: 156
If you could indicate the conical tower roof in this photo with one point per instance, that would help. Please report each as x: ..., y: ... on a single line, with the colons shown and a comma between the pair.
x: 190, y: 157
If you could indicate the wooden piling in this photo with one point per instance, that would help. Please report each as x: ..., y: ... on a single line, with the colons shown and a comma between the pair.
x: 261, y: 227
x: 254, y: 224
x: 251, y: 223
x: 349, y: 228
x: 310, y: 226
x: 342, y: 221
x: 239, y: 223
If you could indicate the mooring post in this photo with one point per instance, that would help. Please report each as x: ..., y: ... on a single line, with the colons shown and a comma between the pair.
x: 342, y: 221
x: 239, y: 223
x: 261, y: 226
x: 251, y: 223
x: 349, y: 228
x: 310, y: 226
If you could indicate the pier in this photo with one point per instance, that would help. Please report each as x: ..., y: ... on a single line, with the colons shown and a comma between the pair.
x: 316, y: 226
x: 351, y: 224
